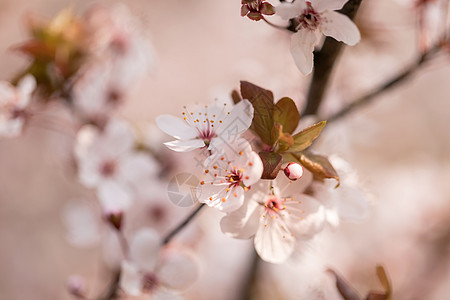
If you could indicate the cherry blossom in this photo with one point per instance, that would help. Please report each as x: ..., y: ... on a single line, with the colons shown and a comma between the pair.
x: 316, y: 17
x: 158, y: 272
x: 210, y: 127
x: 276, y: 221
x: 13, y: 104
x: 108, y: 161
x: 228, y: 175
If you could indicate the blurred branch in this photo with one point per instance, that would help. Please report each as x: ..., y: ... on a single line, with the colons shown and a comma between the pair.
x: 112, y: 291
x: 324, y: 61
x: 394, y: 81
x: 183, y: 224
x: 248, y: 291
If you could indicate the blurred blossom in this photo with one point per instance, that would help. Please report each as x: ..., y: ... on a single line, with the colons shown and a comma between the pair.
x: 108, y: 161
x: 212, y: 127
x: 156, y: 271
x: 13, y: 105
x: 348, y: 201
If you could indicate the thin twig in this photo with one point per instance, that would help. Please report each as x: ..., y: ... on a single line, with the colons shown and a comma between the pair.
x: 182, y: 224
x: 324, y: 61
x: 394, y: 81
x: 275, y: 25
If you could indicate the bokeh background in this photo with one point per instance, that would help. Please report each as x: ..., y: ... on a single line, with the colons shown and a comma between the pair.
x: 399, y: 145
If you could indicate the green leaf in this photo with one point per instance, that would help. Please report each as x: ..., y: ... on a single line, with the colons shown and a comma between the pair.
x: 304, y: 138
x: 272, y: 164
x: 286, y: 113
x: 283, y: 140
x: 262, y: 101
x: 319, y: 165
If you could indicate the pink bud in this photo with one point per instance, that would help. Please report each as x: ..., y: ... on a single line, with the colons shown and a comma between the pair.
x: 293, y: 171
x: 76, y: 286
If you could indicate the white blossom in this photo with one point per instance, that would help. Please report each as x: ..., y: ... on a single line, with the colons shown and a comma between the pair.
x: 275, y: 220
x: 228, y: 175
x: 316, y: 17
x: 210, y: 127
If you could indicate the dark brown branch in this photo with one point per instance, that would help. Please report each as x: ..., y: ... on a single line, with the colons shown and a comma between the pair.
x: 249, y: 286
x: 394, y: 81
x: 183, y: 224
x: 324, y: 61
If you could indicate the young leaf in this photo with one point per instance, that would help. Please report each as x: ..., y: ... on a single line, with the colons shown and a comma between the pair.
x: 319, y: 165
x: 262, y: 101
x: 344, y: 288
x: 272, y: 164
x: 283, y: 140
x: 236, y: 97
x: 304, y: 138
x: 286, y: 113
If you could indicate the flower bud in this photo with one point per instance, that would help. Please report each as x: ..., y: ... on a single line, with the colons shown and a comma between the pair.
x: 115, y: 219
x: 293, y: 171
x: 76, y: 286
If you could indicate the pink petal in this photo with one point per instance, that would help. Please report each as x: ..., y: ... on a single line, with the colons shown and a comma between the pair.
x: 340, y: 27
x: 176, y: 127
x: 233, y: 200
x: 302, y: 47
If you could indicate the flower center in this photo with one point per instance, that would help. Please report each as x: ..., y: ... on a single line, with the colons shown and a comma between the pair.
x: 108, y: 168
x: 273, y: 204
x: 309, y: 19
x: 149, y: 282
x: 234, y: 177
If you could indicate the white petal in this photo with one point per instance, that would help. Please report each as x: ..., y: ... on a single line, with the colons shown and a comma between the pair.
x: 233, y: 200
x: 238, y: 121
x: 273, y: 242
x: 114, y: 196
x: 7, y: 92
x: 302, y: 47
x: 242, y: 223
x: 322, y: 5
x: 290, y: 10
x: 304, y: 216
x: 177, y: 269
x: 130, y: 279
x: 340, y: 27
x: 253, y: 170
x: 144, y: 248
x: 176, y: 127
x: 185, y: 146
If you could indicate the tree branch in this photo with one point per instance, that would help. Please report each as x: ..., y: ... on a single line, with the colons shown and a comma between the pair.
x: 182, y: 224
x: 394, y: 81
x: 324, y: 61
